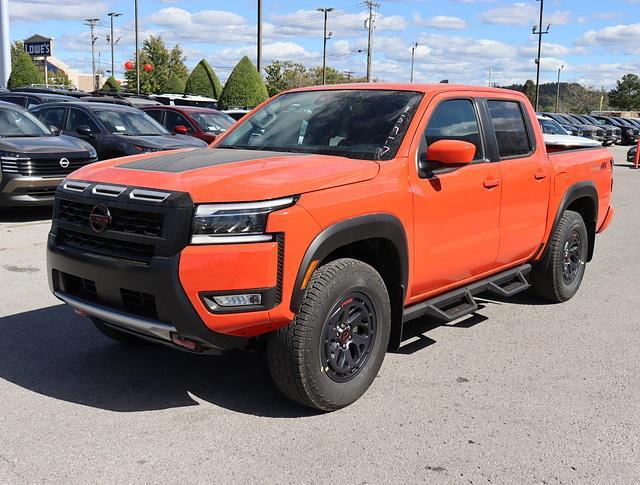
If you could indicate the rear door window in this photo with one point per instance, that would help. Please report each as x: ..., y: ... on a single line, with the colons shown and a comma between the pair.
x: 51, y: 116
x: 510, y: 128
x: 79, y: 118
x: 156, y: 114
x: 455, y: 119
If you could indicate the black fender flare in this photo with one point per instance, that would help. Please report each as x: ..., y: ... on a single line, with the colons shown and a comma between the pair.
x: 577, y: 191
x: 371, y: 226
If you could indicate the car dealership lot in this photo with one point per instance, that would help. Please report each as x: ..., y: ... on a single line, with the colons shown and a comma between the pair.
x: 522, y: 392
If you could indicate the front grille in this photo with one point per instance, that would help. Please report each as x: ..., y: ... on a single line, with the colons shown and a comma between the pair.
x: 47, y: 167
x: 80, y: 287
x: 123, y: 220
x: 139, y: 303
x: 106, y: 246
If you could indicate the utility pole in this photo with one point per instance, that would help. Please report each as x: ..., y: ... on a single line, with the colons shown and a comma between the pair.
x: 539, y: 32
x: 490, y: 73
x: 349, y: 74
x: 325, y: 38
x: 259, y: 48
x: 413, y: 58
x: 135, y: 8
x: 5, y: 44
x: 112, y: 15
x: 558, y: 91
x: 92, y: 24
x: 369, y: 23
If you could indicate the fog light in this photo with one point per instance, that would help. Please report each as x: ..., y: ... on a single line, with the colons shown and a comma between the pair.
x: 229, y: 301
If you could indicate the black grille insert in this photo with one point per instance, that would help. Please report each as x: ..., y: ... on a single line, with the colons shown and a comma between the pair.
x: 80, y: 287
x: 122, y: 220
x: 138, y: 303
x: 107, y: 247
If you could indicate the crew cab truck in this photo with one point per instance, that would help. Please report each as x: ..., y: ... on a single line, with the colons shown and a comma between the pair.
x: 324, y: 222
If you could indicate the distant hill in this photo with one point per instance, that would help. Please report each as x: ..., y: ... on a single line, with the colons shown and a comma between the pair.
x: 574, y: 97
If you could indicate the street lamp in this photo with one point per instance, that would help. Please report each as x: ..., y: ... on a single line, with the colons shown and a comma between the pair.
x: 413, y: 58
x: 112, y: 15
x: 558, y: 91
x: 539, y: 32
x: 325, y: 38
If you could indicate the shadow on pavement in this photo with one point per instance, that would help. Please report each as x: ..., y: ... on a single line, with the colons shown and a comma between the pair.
x: 25, y: 214
x: 56, y: 353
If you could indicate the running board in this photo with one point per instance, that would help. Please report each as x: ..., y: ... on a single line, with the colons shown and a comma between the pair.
x: 461, y: 302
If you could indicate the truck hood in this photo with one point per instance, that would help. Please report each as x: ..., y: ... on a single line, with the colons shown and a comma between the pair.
x: 52, y: 145
x: 163, y: 142
x: 230, y: 175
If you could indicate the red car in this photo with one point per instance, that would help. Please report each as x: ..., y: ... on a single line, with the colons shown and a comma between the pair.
x: 203, y: 123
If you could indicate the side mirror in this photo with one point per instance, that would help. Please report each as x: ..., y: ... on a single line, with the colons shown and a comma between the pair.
x: 54, y: 130
x: 84, y: 130
x: 180, y: 130
x: 451, y: 153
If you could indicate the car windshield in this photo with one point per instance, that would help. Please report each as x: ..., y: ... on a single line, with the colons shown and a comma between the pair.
x: 551, y: 127
x: 130, y: 123
x: 212, y: 122
x: 15, y: 123
x: 562, y: 119
x: 365, y: 124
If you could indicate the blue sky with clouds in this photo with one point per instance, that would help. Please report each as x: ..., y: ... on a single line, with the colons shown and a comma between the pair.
x: 597, y: 41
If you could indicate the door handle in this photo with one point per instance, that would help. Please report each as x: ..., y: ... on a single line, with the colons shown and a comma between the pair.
x: 539, y: 175
x: 491, y: 183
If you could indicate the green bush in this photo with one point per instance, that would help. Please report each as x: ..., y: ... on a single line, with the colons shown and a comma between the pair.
x: 23, y: 71
x: 203, y: 81
x: 111, y: 84
x: 244, y: 86
x: 175, y: 85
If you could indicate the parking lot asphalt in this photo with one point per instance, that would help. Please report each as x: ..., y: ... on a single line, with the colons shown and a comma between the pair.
x: 521, y: 392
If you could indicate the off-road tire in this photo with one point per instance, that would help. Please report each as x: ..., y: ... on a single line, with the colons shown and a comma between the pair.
x: 549, y: 281
x: 295, y: 352
x: 117, y: 335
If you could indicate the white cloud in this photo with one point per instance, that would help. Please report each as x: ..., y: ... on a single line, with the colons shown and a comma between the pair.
x: 522, y: 15
x: 442, y: 22
x: 40, y: 10
x: 621, y: 38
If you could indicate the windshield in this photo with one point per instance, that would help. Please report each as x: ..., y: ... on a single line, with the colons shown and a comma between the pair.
x: 551, y: 127
x: 15, y: 123
x: 563, y: 120
x: 366, y: 124
x: 212, y: 122
x: 130, y: 123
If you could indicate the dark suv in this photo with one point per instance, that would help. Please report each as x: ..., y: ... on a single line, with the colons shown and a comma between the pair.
x: 29, y: 100
x: 114, y: 130
x: 629, y: 133
x: 33, y: 161
x: 203, y: 123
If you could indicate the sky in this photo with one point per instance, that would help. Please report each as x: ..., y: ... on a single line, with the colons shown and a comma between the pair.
x: 596, y: 41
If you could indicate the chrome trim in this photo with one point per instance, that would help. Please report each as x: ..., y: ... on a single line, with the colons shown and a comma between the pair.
x: 145, y: 326
x: 76, y: 186
x: 207, y: 239
x: 108, y: 190
x: 148, y: 195
x: 207, y: 209
x: 15, y: 159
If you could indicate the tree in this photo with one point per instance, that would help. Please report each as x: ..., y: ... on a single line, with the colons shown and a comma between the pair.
x: 283, y: 75
x: 111, y: 84
x: 23, y: 71
x: 175, y: 85
x: 165, y: 63
x: 244, y: 86
x: 203, y: 81
x: 626, y: 94
x: 58, y: 77
x: 529, y: 89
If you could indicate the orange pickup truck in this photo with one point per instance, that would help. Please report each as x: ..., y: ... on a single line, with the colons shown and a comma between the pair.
x: 323, y: 222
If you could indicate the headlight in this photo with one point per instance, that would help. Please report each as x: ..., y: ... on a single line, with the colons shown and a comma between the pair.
x: 143, y: 149
x: 235, y: 223
x: 93, y: 153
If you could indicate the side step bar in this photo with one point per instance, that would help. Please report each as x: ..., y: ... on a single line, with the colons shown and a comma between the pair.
x: 460, y: 302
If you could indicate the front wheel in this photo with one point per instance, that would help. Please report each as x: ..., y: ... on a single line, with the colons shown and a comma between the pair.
x: 560, y: 279
x: 330, y: 354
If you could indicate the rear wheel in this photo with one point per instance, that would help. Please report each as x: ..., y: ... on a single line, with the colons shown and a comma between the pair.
x: 560, y: 279
x: 117, y: 335
x: 330, y: 354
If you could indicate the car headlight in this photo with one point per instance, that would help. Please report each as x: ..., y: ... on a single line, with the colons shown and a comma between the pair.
x: 144, y: 149
x: 93, y: 154
x: 235, y: 223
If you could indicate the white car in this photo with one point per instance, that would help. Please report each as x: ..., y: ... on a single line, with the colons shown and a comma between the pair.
x: 557, y: 138
x: 186, y: 100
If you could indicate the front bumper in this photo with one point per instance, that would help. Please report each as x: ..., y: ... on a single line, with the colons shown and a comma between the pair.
x: 20, y: 190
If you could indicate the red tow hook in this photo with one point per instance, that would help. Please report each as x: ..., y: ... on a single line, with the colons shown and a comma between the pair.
x: 80, y: 312
x: 184, y: 343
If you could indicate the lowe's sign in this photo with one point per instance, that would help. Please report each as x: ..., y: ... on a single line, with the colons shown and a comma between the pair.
x: 38, y: 49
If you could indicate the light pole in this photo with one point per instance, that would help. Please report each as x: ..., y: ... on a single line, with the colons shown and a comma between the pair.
x: 259, y: 46
x: 369, y: 23
x: 490, y: 73
x: 413, y: 58
x: 558, y: 91
x: 137, y: 47
x: 92, y: 24
x: 539, y: 32
x: 112, y: 15
x: 325, y: 38
x: 5, y: 45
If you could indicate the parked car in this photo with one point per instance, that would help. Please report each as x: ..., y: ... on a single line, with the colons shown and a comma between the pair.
x: 631, y: 154
x: 202, y: 123
x: 627, y: 122
x: 113, y: 130
x: 186, y: 100
x: 629, y: 134
x: 74, y: 93
x: 135, y: 100
x: 570, y: 128
x: 236, y: 114
x: 614, y: 132
x: 324, y: 222
x: 596, y: 132
x: 556, y: 137
x: 609, y: 137
x: 29, y: 100
x: 33, y: 161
